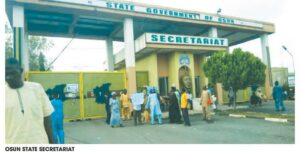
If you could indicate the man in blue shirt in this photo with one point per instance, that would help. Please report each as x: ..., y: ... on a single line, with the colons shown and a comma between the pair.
x: 278, y: 97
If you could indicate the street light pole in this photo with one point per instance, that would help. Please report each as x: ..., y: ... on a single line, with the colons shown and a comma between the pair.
x: 284, y: 47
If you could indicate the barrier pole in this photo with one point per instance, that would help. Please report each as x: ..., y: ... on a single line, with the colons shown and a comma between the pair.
x: 81, y: 95
x: 125, y: 80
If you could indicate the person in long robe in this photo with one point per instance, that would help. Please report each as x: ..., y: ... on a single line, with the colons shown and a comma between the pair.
x: 57, y: 118
x: 115, y: 119
x: 153, y: 104
x: 27, y: 108
x: 205, y: 97
x: 278, y: 97
x: 174, y: 110
x: 107, y: 107
x: 125, y: 103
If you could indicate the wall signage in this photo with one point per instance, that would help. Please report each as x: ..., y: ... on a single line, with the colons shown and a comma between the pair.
x: 161, y: 12
x: 184, y: 60
x: 185, y: 40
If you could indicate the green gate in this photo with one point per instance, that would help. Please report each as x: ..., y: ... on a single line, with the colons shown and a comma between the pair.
x: 83, y: 105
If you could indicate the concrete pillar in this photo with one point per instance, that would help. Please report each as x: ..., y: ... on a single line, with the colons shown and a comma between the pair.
x: 18, y: 35
x: 25, y: 55
x: 213, y: 32
x: 267, y: 61
x: 129, y: 55
x: 109, y: 54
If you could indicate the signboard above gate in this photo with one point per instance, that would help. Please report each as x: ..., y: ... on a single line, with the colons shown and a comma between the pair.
x: 161, y: 12
x: 185, y: 40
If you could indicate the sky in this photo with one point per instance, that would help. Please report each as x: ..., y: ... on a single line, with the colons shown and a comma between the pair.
x: 90, y: 55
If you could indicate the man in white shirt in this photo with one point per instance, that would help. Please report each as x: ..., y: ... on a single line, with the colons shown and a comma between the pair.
x: 27, y: 109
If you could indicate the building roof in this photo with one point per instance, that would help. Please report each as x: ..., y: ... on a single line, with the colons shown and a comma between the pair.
x: 90, y: 19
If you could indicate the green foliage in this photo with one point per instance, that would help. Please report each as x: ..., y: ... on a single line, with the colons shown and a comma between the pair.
x: 8, y: 42
x: 240, y: 69
x: 37, y: 46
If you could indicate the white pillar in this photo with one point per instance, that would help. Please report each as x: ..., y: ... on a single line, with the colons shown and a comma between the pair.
x: 129, y: 55
x: 18, y: 34
x: 266, y: 60
x: 109, y: 54
x: 25, y: 56
x: 213, y: 32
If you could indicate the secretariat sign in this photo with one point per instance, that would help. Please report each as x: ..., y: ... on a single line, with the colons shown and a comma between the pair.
x: 185, y: 40
x: 162, y: 12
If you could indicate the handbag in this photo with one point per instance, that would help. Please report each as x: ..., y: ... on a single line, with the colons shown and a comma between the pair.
x: 209, y: 102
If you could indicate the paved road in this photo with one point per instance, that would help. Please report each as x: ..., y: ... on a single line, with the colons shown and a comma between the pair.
x: 269, y: 107
x: 225, y: 130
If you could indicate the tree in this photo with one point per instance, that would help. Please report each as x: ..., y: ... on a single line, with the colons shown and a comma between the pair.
x: 8, y: 42
x: 37, y: 46
x: 238, y: 70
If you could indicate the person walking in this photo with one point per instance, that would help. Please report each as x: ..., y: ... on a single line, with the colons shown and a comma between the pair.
x: 206, y: 102
x: 190, y: 99
x: 58, y: 119
x: 278, y: 97
x: 107, y: 107
x: 137, y: 100
x: 154, y: 105
x: 115, y: 119
x: 27, y: 109
x: 125, y: 104
x: 184, y: 107
x: 230, y: 96
x: 174, y: 110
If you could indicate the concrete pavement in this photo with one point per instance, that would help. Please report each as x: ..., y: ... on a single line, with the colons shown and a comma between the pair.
x: 225, y: 130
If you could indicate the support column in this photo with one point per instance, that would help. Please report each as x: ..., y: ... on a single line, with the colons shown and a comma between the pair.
x: 18, y: 34
x: 25, y: 53
x: 213, y: 32
x: 129, y: 55
x: 267, y: 61
x: 109, y: 54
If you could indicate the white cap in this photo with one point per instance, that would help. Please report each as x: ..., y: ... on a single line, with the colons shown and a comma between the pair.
x: 113, y: 93
x: 173, y: 85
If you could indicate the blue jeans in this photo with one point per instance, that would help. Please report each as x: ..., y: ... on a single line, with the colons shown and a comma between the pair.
x: 278, y: 104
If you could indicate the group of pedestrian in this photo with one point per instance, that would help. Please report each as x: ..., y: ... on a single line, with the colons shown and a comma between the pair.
x: 183, y: 102
x: 30, y: 117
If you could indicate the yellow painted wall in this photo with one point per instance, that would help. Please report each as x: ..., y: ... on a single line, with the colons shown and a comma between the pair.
x: 174, y: 68
x: 200, y: 62
x: 197, y: 65
x: 149, y: 63
x: 163, y: 65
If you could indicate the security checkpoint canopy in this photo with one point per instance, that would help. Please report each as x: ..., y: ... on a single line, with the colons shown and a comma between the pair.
x: 77, y: 19
x: 100, y: 20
